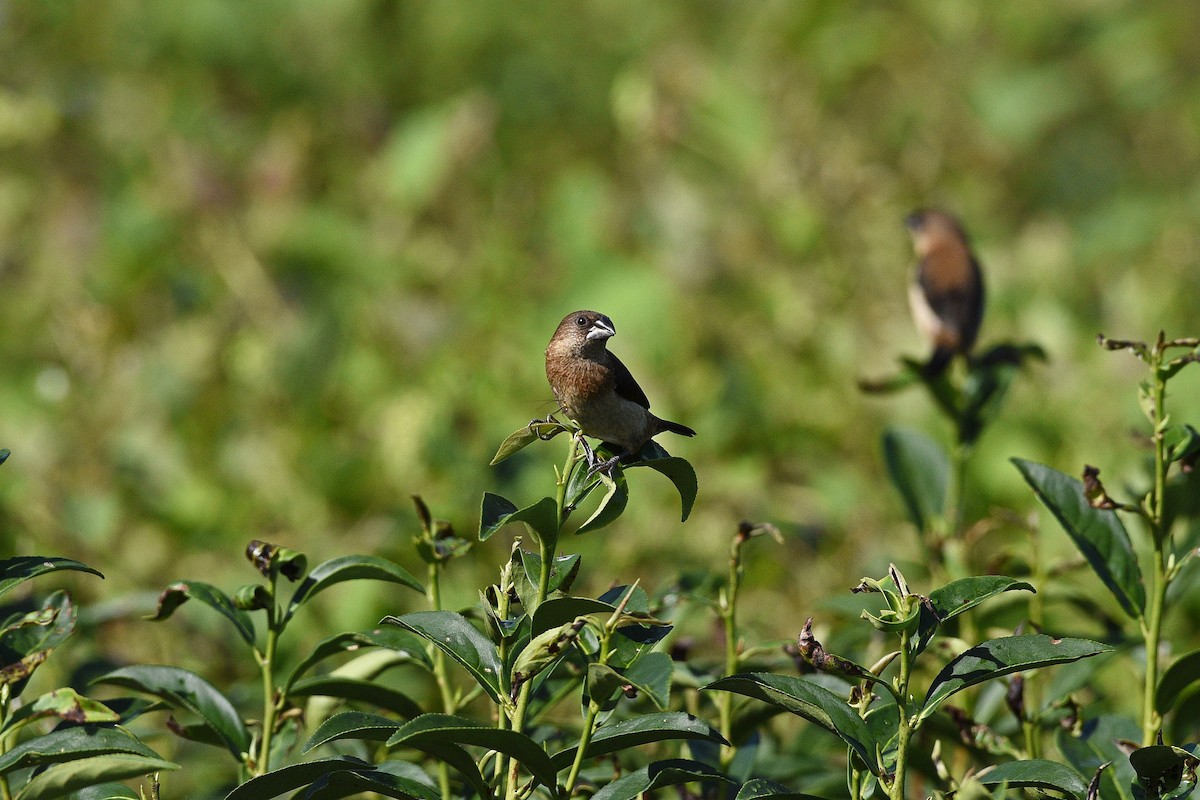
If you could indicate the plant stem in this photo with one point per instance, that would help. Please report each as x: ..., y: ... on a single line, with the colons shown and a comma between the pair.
x: 728, y: 609
x: 546, y: 550
x: 5, y: 791
x: 1153, y: 629
x: 434, y: 590
x: 270, y: 703
x: 904, y: 732
x: 585, y: 739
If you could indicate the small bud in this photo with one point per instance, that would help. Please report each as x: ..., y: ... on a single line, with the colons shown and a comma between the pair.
x: 1093, y: 489
x: 1015, y: 697
x: 261, y: 554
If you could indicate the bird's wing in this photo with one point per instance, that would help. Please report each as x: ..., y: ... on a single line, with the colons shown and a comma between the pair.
x: 625, y: 385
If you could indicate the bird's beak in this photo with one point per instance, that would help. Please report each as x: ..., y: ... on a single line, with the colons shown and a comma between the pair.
x: 601, y: 329
x: 913, y: 221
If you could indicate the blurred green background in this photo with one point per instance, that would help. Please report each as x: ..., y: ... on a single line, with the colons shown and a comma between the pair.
x: 269, y: 268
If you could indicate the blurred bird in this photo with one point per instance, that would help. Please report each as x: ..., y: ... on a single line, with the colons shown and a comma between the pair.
x: 596, y: 390
x: 946, y: 294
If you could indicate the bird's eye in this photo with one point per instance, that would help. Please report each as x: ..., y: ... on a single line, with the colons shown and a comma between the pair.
x: 581, y: 321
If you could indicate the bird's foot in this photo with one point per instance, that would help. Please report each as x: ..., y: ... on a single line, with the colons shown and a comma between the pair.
x: 545, y: 436
x: 604, y: 467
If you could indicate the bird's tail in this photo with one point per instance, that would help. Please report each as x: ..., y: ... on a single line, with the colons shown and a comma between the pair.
x: 675, y: 427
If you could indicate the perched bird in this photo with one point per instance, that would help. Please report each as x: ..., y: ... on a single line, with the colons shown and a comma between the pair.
x: 595, y: 389
x: 946, y: 294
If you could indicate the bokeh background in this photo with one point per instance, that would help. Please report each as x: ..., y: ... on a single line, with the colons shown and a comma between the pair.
x: 267, y: 269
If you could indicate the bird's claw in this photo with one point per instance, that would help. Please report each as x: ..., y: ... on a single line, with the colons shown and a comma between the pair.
x: 605, y: 467
x: 549, y: 420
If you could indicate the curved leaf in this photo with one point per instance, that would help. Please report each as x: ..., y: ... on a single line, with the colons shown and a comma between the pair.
x: 763, y: 789
x: 541, y: 517
x: 106, y: 791
x: 399, y: 641
x: 66, y: 704
x: 1177, y: 677
x: 448, y: 729
x: 612, y: 505
x: 672, y: 772
x: 180, y: 592
x: 680, y: 473
x: 558, y: 611
x: 462, y: 641
x: 1037, y: 773
x: 1098, y: 533
x: 15, y: 571
x: 62, y: 779
x: 641, y: 730
x: 362, y: 691
x: 344, y: 783
x: 352, y: 725
x: 185, y: 689
x: 812, y: 702
x: 349, y: 568
x: 1003, y: 656
x: 523, y: 437
x: 67, y: 744
x: 294, y: 776
x: 957, y: 597
x: 919, y: 469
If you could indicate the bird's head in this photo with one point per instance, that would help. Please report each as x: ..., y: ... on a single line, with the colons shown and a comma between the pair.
x: 931, y: 228
x: 584, y: 330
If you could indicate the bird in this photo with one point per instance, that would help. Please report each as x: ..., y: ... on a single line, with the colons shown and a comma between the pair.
x: 597, y: 391
x: 946, y: 292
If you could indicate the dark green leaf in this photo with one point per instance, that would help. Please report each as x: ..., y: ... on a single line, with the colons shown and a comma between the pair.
x: 641, y: 730
x: 65, y: 704
x: 442, y: 729
x: 919, y: 469
x: 4, y: 454
x: 178, y: 593
x: 399, y: 641
x: 1182, y: 442
x: 541, y: 517
x: 651, y: 674
x: 672, y: 772
x: 67, y: 744
x: 1162, y: 766
x: 1003, y: 656
x: 294, y: 776
x: 959, y: 596
x: 812, y: 702
x: 562, y: 575
x: 362, y: 691
x: 561, y: 610
x: 345, y: 783
x: 106, y: 791
x: 184, y: 689
x: 1098, y: 744
x: 1036, y: 773
x: 15, y: 571
x: 612, y: 505
x: 1098, y: 533
x: 763, y: 789
x: 1179, y: 676
x: 350, y: 568
x: 352, y: 725
x: 462, y: 641
x: 62, y: 779
x: 679, y: 471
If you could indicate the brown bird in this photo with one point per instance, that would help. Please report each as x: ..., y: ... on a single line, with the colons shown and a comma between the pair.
x: 946, y: 294
x: 596, y: 390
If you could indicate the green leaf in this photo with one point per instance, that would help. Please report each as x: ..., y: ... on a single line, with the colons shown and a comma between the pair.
x: 398, y: 641
x: 352, y: 725
x: 1003, y: 656
x: 349, y: 568
x: 640, y: 730
x: 1182, y: 442
x: 344, y: 783
x: 919, y: 469
x: 612, y: 505
x: 4, y: 454
x: 1037, y: 773
x: 1098, y: 533
x: 184, y: 689
x: 1178, y: 677
x: 958, y: 597
x: 651, y: 674
x: 812, y: 702
x: 294, y: 776
x: 559, y: 611
x: 66, y: 704
x: 180, y: 592
x: 62, y: 779
x: 763, y: 789
x: 462, y: 641
x: 15, y: 571
x: 443, y: 729
x: 541, y: 517
x: 1162, y: 766
x: 672, y: 772
x: 106, y: 791
x: 1098, y: 744
x: 27, y: 641
x: 72, y: 743
x: 524, y: 437
x: 362, y: 691
x: 678, y: 470
x: 562, y: 574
